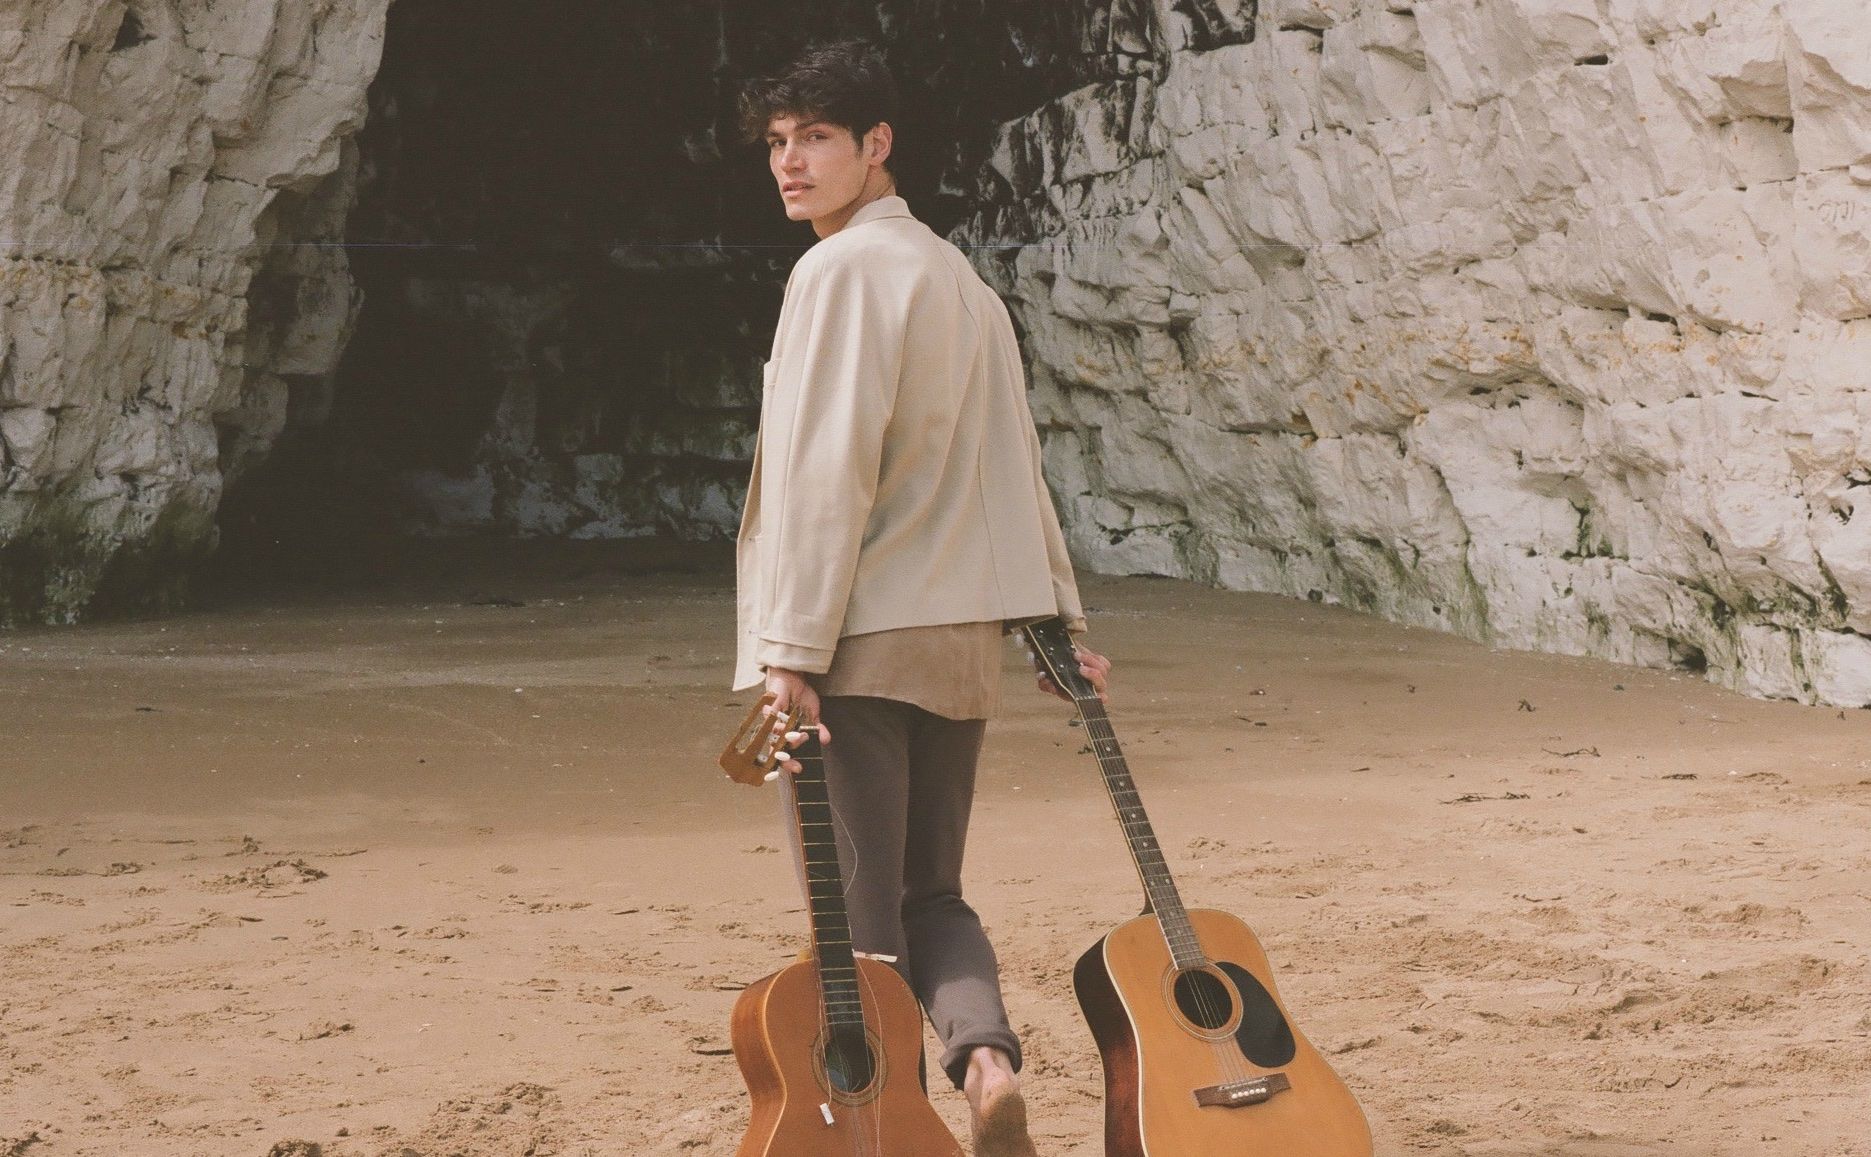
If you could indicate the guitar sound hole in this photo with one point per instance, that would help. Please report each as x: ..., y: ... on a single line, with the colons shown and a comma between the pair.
x: 850, y: 1066
x: 1204, y: 1000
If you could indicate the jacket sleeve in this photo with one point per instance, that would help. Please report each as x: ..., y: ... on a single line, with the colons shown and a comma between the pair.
x: 810, y: 660
x: 841, y: 358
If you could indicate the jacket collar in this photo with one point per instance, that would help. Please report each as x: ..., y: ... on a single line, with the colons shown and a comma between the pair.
x: 891, y: 206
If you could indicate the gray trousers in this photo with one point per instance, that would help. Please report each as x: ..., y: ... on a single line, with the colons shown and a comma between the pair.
x: 901, y: 782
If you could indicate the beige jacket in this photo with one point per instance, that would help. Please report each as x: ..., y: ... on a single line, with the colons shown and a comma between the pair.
x: 896, y: 478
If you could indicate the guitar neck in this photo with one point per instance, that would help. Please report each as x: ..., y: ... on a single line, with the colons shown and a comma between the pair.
x: 1158, y: 885
x: 839, y: 994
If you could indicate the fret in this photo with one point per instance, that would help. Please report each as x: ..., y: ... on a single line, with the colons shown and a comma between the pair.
x: 840, y: 997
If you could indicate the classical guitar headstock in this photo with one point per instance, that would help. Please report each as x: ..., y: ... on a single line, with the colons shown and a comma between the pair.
x: 755, y: 749
x: 1052, y: 648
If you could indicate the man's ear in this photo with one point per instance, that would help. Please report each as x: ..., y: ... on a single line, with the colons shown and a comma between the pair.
x: 877, y: 143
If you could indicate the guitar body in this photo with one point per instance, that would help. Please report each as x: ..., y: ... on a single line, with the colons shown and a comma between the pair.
x: 780, y: 1043
x: 1164, y: 1035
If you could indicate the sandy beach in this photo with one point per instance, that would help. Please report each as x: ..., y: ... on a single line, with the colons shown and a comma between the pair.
x: 445, y: 868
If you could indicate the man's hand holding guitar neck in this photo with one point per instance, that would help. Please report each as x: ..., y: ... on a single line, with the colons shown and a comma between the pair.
x: 1095, y: 667
x: 791, y: 692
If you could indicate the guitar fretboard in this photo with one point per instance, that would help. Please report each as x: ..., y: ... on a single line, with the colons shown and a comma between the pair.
x: 1054, y: 646
x: 825, y: 895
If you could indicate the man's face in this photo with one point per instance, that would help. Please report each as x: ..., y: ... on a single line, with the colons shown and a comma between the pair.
x: 820, y: 168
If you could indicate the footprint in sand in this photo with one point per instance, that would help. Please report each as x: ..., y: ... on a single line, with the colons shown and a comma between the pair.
x: 267, y: 878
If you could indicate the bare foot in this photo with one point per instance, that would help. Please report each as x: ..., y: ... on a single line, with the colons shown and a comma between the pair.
x: 998, y: 1113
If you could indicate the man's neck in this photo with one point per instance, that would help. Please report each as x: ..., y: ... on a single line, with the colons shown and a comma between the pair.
x: 876, y: 187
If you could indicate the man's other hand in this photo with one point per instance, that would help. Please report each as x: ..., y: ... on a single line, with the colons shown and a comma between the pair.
x: 791, y: 691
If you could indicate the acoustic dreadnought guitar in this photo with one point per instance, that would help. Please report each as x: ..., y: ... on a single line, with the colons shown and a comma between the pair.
x: 831, y: 1046
x: 1200, y: 1057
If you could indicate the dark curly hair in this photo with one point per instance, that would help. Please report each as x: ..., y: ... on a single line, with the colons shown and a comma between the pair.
x: 845, y: 83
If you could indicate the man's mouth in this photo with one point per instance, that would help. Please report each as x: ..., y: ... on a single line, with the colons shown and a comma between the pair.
x: 794, y: 187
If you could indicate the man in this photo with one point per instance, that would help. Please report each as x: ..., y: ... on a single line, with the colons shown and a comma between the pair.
x: 895, y: 524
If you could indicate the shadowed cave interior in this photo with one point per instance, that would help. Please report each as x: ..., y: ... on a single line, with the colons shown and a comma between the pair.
x: 570, y: 266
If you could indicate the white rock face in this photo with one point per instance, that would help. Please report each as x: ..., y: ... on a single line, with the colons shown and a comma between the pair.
x: 155, y: 159
x: 1545, y: 321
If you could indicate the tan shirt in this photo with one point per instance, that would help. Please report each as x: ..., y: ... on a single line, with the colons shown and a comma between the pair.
x: 896, y: 478
x: 951, y: 670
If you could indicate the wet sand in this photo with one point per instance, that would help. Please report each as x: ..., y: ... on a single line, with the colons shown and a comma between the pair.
x: 447, y: 869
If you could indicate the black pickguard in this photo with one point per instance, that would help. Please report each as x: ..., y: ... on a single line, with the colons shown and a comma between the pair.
x: 1263, y: 1036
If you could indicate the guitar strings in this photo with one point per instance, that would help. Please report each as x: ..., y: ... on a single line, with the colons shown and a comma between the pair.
x: 868, y: 1112
x: 1108, y: 751
x: 1111, y: 763
x: 864, y: 1134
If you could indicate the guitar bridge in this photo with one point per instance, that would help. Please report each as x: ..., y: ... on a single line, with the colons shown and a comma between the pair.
x: 1235, y: 1094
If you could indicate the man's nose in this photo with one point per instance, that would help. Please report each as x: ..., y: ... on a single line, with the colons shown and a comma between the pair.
x: 791, y: 158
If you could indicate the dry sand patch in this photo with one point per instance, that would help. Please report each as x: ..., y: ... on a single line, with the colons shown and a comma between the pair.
x: 425, y: 873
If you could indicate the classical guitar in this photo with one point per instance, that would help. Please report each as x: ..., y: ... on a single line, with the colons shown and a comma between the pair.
x: 1200, y: 1056
x: 830, y: 1046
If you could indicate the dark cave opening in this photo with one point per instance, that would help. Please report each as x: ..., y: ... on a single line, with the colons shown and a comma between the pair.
x: 570, y: 266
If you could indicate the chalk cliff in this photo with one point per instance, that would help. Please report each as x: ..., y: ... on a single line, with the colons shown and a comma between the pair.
x: 167, y: 169
x: 1543, y: 321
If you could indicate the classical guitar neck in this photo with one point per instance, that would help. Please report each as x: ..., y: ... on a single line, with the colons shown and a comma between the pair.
x: 825, y: 896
